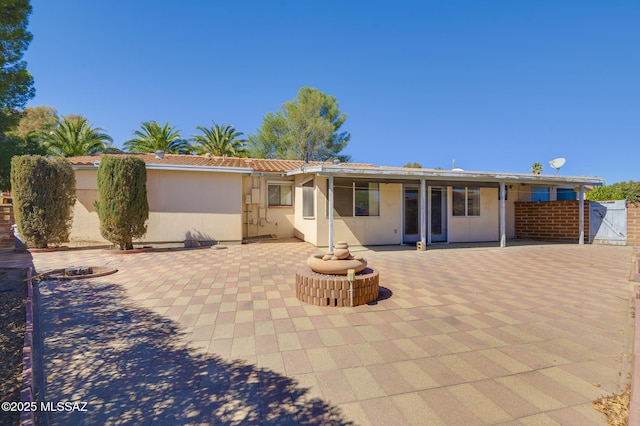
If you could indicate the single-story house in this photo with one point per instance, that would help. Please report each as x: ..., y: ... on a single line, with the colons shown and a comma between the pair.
x: 209, y: 198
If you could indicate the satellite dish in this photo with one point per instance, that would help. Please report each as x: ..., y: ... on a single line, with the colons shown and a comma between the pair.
x: 454, y: 168
x: 556, y: 163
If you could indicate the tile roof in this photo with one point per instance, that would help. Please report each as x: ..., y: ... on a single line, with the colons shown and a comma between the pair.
x: 257, y: 164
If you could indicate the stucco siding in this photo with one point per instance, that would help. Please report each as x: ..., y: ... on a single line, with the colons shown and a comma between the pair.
x: 257, y: 217
x: 477, y: 228
x: 363, y: 230
x: 203, y: 206
x: 86, y: 225
x: 306, y: 228
x: 182, y: 205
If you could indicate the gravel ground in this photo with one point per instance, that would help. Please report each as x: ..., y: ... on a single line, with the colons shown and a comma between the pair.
x: 13, y: 294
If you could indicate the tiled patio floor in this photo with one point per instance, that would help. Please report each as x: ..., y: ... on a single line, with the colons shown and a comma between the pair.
x: 521, y: 335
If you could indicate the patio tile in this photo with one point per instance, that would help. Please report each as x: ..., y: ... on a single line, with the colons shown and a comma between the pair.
x: 288, y: 341
x: 321, y: 359
x: 382, y: 411
x: 513, y: 365
x: 362, y: 383
x: 415, y: 410
x: 331, y: 337
x: 296, y: 362
x: 483, y: 407
x: 344, y: 356
x: 335, y: 387
x: 310, y: 339
x: 416, y: 376
x: 513, y: 404
x: 448, y: 408
x: 266, y: 344
x: 531, y: 393
x: 452, y: 345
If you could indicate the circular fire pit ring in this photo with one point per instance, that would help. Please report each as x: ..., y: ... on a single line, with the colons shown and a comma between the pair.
x: 334, y: 290
x: 77, y: 272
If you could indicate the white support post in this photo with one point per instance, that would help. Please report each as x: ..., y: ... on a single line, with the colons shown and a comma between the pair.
x: 581, y: 214
x: 503, y: 216
x: 331, y: 214
x: 429, y: 190
x: 423, y: 214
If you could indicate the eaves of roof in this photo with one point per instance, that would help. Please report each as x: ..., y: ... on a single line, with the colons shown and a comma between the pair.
x: 402, y: 173
x: 207, y: 163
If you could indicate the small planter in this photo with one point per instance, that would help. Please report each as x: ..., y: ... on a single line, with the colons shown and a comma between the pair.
x: 132, y: 251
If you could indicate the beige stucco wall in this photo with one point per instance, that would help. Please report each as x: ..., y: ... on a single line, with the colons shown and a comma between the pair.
x: 260, y: 219
x: 182, y: 205
x: 360, y: 230
x: 86, y: 225
x: 306, y: 228
x: 479, y: 228
x: 199, y: 205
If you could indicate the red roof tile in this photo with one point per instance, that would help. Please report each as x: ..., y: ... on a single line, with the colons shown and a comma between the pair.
x: 257, y: 164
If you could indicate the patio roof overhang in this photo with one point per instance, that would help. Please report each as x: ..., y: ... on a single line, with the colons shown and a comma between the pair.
x: 444, y: 176
x: 448, y: 177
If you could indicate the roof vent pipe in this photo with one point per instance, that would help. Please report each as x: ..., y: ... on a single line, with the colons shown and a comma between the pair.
x: 159, y: 155
x: 336, y: 161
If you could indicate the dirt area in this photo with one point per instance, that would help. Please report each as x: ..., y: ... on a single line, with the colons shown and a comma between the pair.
x: 13, y: 294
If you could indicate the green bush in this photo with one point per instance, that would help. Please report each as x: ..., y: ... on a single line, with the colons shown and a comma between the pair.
x: 629, y: 191
x: 122, y: 199
x: 44, y: 192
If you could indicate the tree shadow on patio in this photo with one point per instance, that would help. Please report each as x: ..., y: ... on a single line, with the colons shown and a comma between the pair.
x: 132, y: 366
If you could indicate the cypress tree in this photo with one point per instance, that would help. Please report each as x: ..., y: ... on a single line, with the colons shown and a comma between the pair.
x: 44, y: 192
x: 122, y: 203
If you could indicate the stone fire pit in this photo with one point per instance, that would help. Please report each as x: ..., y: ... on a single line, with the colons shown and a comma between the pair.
x: 324, y: 281
x: 77, y: 272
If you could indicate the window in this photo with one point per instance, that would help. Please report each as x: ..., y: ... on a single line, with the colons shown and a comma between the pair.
x: 280, y: 194
x: 539, y: 193
x: 473, y: 201
x: 566, y: 194
x: 466, y: 201
x: 355, y: 198
x: 367, y: 198
x: 307, y: 199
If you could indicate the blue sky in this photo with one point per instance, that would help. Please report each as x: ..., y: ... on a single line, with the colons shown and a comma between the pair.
x: 496, y: 85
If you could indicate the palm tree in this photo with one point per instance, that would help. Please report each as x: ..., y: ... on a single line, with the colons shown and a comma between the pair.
x: 74, y: 136
x: 536, y: 168
x: 219, y: 140
x: 154, y: 137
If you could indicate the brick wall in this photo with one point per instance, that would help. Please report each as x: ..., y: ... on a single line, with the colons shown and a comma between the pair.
x: 633, y: 224
x: 6, y: 220
x: 550, y: 220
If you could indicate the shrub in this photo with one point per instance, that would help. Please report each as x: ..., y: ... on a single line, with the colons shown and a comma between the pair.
x: 629, y: 191
x: 44, y: 192
x: 122, y: 199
